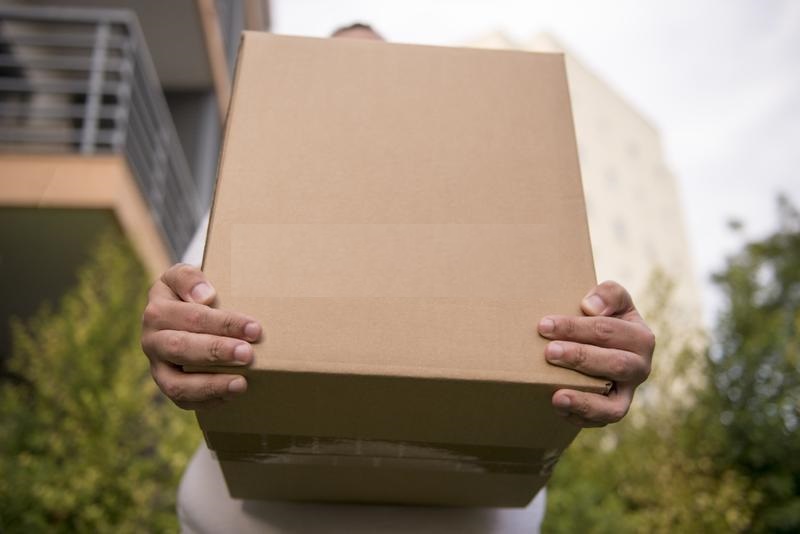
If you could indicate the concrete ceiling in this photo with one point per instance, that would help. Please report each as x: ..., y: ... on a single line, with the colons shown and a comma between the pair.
x: 173, y: 32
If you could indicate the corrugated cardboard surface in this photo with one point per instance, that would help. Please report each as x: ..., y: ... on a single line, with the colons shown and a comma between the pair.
x: 399, y: 218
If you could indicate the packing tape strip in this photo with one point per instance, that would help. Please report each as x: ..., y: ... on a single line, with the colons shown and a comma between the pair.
x: 355, y: 452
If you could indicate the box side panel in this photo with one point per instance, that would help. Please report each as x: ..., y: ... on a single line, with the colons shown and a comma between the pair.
x: 459, y: 338
x: 393, y: 409
x: 369, y: 485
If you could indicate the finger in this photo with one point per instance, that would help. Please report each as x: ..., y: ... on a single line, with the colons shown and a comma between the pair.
x: 186, y: 316
x: 199, y: 405
x: 610, y: 299
x: 592, y: 409
x: 611, y: 364
x: 184, y: 388
x: 583, y: 423
x: 189, y: 284
x: 187, y: 348
x: 609, y: 332
x: 159, y: 293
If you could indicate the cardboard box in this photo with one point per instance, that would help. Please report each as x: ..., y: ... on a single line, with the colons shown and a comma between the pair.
x: 399, y: 218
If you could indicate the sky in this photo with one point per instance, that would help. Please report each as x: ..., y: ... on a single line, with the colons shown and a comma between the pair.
x: 720, y: 81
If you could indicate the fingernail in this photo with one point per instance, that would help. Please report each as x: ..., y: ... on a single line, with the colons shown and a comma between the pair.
x: 237, y: 385
x: 202, y: 292
x: 594, y: 304
x: 562, y: 402
x: 243, y: 353
x: 554, y: 351
x: 252, y: 331
x: 547, y: 326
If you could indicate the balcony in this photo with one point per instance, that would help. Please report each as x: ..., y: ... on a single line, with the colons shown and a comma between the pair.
x: 84, y: 124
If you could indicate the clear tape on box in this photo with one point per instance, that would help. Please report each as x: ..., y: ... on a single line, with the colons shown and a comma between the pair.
x: 387, y: 454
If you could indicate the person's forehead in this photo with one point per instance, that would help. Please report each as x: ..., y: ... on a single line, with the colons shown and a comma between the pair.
x: 358, y: 33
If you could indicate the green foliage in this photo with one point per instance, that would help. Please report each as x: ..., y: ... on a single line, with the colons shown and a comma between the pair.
x: 755, y: 371
x: 655, y: 471
x: 713, y: 444
x: 87, y: 444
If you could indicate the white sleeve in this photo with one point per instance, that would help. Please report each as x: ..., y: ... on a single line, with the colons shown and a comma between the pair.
x: 205, y: 507
x: 194, y: 252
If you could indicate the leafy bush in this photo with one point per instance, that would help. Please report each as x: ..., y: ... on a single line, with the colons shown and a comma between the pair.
x: 656, y: 470
x: 722, y: 453
x: 755, y: 371
x: 87, y: 443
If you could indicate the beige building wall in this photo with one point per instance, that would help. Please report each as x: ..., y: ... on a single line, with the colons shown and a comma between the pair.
x: 95, y: 182
x: 635, y: 217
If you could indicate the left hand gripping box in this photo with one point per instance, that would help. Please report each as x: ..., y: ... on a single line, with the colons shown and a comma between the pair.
x: 398, y: 218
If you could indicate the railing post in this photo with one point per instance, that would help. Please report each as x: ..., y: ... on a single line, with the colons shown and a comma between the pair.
x: 95, y: 94
x: 123, y: 107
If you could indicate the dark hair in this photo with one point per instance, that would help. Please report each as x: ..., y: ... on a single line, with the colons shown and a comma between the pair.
x: 355, y: 26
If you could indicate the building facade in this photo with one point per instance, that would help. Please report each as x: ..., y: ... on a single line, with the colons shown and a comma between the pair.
x: 632, y: 198
x: 111, y: 114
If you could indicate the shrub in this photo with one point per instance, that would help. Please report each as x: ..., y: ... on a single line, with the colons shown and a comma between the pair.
x: 87, y: 443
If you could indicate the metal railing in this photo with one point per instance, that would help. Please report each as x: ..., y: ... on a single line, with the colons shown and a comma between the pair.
x: 82, y: 81
x: 231, y: 22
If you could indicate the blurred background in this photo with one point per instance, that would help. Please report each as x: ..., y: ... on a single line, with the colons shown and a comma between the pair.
x: 687, y: 118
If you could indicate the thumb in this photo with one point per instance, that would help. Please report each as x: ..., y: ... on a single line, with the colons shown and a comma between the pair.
x: 189, y: 284
x: 609, y: 299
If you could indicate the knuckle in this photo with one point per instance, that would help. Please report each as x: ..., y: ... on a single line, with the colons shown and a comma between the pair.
x: 603, y: 329
x: 581, y: 355
x: 151, y: 314
x: 176, y: 275
x: 646, y: 369
x: 620, y: 366
x: 146, y: 345
x: 210, y: 389
x: 196, y: 319
x: 170, y: 273
x: 566, y: 326
x: 152, y: 293
x: 230, y: 325
x: 616, y: 296
x: 154, y: 374
x: 583, y: 407
x: 183, y: 269
x: 175, y: 391
x: 184, y: 273
x: 175, y: 344
x: 216, y: 350
x: 618, y: 412
x: 649, y: 341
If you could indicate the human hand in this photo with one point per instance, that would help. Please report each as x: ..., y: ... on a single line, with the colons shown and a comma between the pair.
x: 612, y: 342
x: 180, y: 327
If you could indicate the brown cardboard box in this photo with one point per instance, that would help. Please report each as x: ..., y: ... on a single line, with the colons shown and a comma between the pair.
x: 399, y: 218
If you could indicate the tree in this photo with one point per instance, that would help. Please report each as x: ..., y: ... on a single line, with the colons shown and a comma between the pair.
x: 755, y: 371
x: 655, y: 471
x: 86, y: 442
x: 721, y: 454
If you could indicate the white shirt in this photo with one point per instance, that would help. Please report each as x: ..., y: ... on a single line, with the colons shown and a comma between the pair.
x: 204, y: 505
